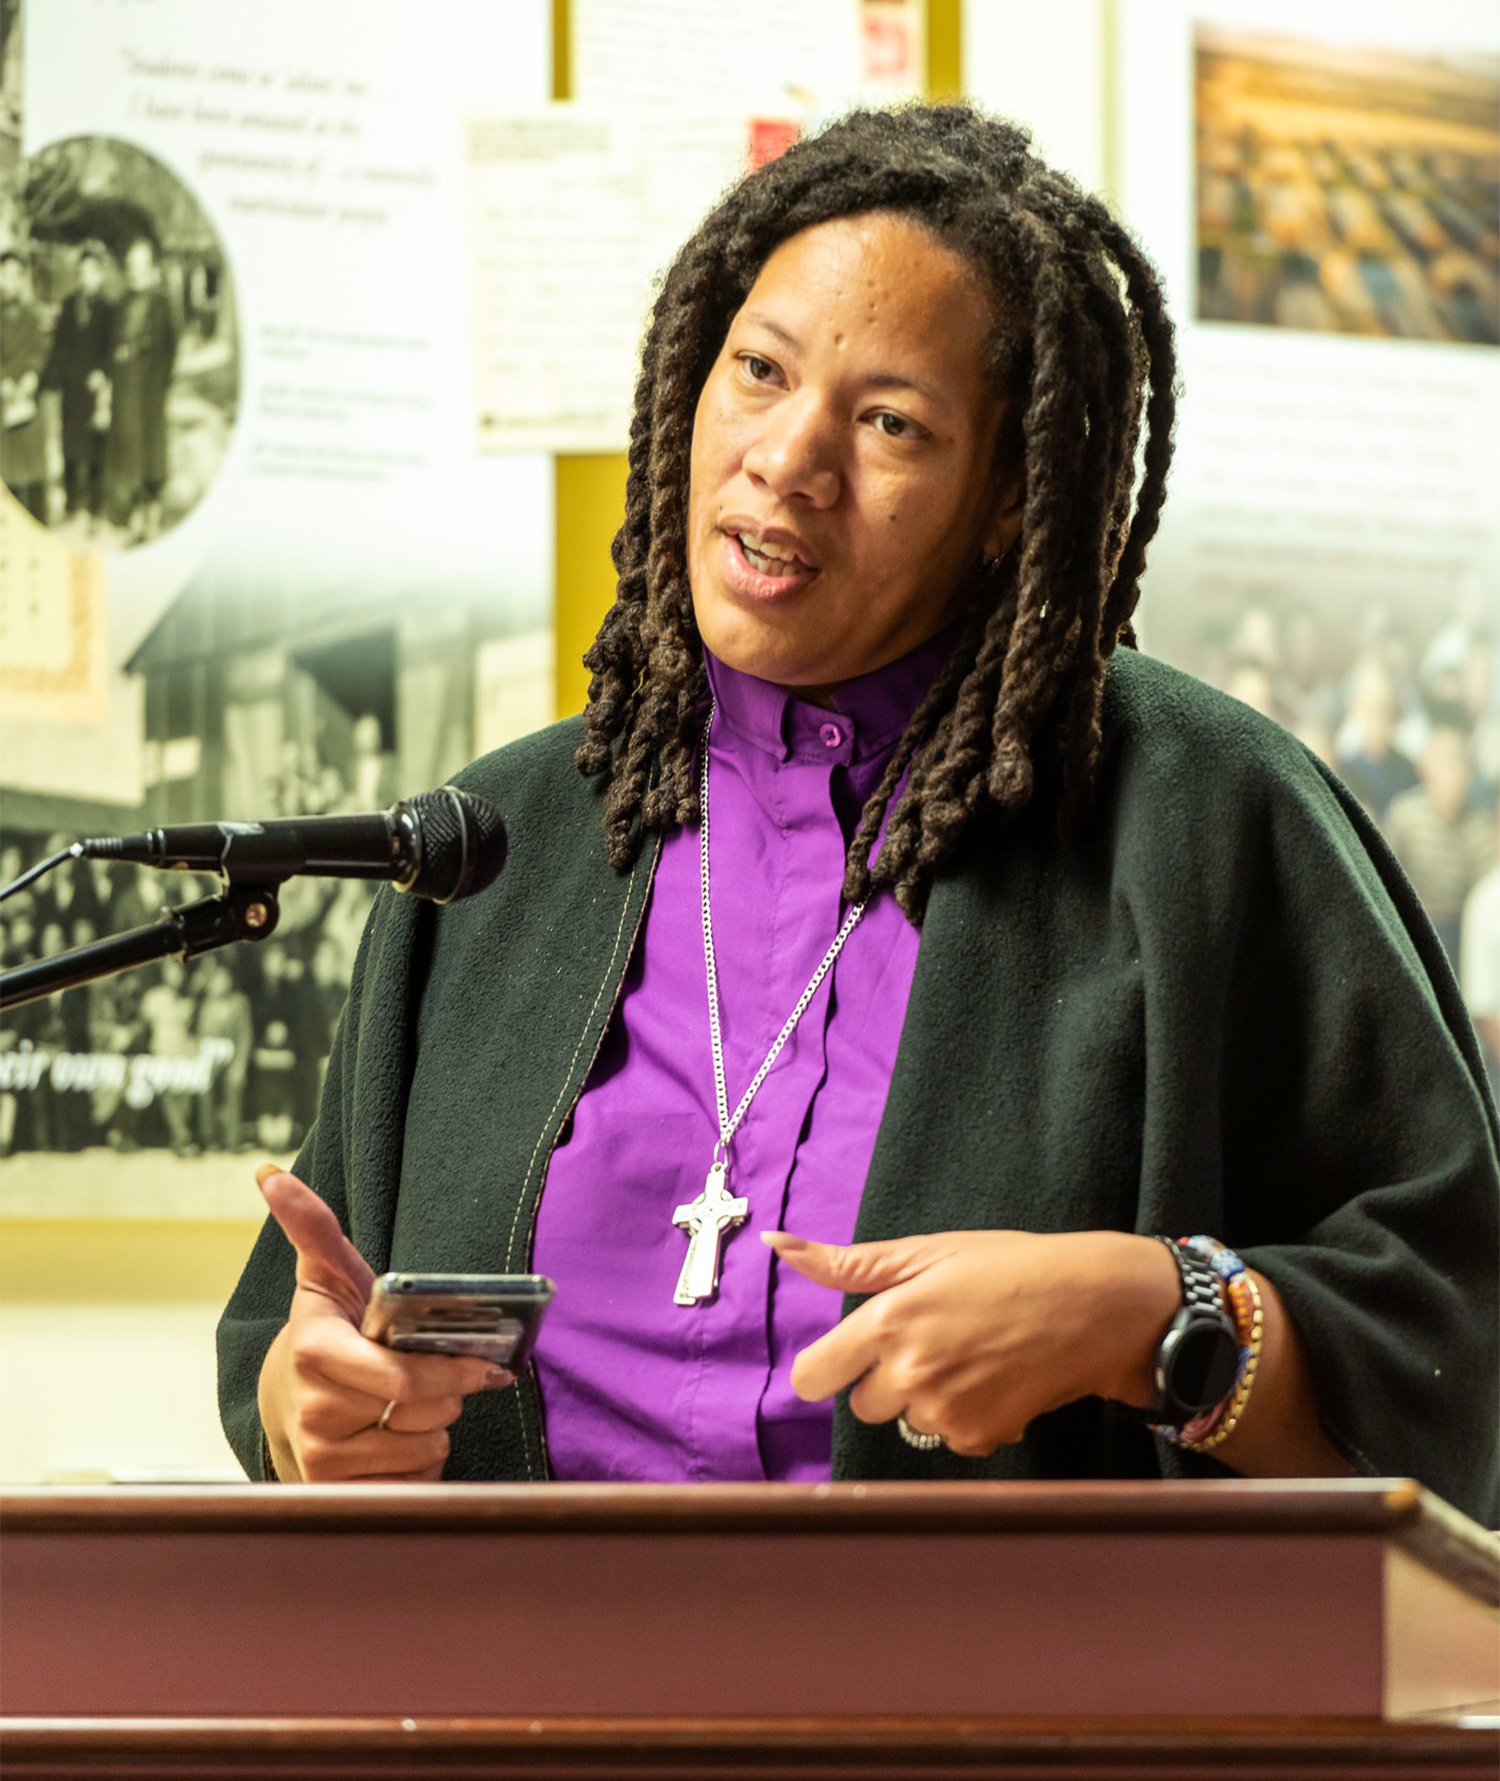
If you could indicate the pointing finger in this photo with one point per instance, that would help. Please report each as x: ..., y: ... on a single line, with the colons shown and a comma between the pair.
x: 326, y: 1260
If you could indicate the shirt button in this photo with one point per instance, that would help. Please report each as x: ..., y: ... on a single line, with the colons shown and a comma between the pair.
x: 832, y: 735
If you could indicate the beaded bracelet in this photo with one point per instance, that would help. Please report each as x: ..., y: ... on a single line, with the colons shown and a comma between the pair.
x: 1206, y: 1432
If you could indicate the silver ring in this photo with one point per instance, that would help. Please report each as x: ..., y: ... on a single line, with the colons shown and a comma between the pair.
x: 915, y: 1437
x: 385, y: 1415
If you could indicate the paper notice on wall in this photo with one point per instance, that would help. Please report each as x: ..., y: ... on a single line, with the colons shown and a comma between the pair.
x: 52, y: 624
x: 742, y: 56
x: 572, y: 216
x: 575, y: 212
x: 804, y: 58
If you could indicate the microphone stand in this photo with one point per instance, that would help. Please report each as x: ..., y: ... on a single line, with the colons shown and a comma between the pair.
x: 240, y: 912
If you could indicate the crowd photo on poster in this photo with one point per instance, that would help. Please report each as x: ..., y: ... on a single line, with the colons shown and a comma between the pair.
x: 225, y: 1053
x: 1407, y: 714
x: 1347, y: 190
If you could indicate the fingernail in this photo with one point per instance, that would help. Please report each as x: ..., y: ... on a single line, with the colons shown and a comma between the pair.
x: 265, y: 1171
x: 782, y: 1240
x: 497, y: 1379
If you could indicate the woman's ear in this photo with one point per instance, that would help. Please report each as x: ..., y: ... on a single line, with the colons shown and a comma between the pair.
x: 1006, y: 515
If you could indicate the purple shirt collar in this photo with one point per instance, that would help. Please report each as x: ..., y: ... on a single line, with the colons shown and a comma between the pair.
x: 872, y: 708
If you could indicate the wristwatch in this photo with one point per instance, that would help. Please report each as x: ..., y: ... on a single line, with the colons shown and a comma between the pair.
x: 1199, y: 1356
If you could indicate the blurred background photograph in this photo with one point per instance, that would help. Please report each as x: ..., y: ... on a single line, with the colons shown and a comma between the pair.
x: 1348, y: 191
x: 1404, y: 709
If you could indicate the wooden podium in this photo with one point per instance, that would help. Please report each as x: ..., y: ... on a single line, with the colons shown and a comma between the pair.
x: 1229, y: 1628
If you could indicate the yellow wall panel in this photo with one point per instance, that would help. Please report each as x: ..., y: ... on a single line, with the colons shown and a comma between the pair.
x: 945, y: 34
x: 122, y: 1261
x: 590, y: 505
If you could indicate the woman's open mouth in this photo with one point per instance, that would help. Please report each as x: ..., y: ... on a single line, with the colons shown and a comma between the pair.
x: 762, y: 568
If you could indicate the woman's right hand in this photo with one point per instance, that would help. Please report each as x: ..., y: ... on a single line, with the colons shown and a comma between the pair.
x: 324, y: 1387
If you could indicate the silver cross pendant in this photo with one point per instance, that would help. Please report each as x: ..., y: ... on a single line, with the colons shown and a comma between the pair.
x: 706, y: 1220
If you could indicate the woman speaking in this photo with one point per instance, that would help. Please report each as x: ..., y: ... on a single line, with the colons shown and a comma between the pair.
x: 921, y: 1036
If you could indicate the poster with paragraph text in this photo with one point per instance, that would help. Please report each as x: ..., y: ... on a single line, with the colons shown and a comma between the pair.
x: 253, y: 564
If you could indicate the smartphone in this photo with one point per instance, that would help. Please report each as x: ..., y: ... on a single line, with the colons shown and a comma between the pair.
x: 495, y: 1316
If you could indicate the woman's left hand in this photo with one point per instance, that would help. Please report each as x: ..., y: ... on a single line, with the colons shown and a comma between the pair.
x: 971, y: 1334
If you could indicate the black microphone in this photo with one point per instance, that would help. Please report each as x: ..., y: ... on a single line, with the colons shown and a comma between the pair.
x: 442, y: 845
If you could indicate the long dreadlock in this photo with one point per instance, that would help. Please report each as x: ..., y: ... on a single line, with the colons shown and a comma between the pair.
x: 1081, y: 351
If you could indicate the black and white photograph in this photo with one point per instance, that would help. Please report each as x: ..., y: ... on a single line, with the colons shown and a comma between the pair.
x: 119, y: 354
x: 252, y: 706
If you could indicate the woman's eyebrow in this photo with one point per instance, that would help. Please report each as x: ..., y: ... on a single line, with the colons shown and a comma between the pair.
x: 762, y: 320
x: 888, y: 380
x: 877, y: 380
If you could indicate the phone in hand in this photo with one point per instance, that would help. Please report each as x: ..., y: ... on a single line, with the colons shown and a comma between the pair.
x: 495, y: 1316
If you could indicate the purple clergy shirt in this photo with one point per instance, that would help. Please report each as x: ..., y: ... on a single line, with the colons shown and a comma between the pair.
x: 636, y: 1388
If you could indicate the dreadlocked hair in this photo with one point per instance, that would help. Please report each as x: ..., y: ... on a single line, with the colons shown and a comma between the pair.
x: 1081, y: 352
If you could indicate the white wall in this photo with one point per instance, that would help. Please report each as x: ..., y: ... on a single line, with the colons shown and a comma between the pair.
x: 1045, y: 67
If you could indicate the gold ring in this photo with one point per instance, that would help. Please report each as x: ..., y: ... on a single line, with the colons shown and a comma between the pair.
x: 385, y: 1415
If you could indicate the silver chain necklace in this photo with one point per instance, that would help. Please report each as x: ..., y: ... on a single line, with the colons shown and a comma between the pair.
x: 715, y: 1212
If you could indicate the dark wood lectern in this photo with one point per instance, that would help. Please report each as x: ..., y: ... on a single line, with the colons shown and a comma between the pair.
x: 1228, y: 1628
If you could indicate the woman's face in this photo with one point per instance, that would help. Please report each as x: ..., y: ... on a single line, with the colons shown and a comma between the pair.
x: 843, y: 465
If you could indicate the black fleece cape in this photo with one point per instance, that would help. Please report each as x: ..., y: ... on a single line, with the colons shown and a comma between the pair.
x: 1219, y: 1008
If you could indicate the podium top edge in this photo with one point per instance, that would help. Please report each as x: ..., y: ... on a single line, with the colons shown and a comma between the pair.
x: 1397, y: 1509
x: 1352, y: 1505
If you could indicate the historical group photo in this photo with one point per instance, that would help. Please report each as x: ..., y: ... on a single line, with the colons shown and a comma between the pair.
x: 119, y: 356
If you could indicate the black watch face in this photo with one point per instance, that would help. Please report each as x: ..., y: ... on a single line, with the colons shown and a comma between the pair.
x: 1201, y: 1367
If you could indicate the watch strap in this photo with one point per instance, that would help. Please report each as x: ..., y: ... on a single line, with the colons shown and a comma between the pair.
x: 1200, y: 1284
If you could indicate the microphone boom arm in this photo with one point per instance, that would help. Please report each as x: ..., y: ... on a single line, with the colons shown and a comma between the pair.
x: 241, y: 912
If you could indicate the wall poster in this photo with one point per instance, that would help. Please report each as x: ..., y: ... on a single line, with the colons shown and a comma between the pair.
x: 1320, y: 186
x: 251, y: 563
